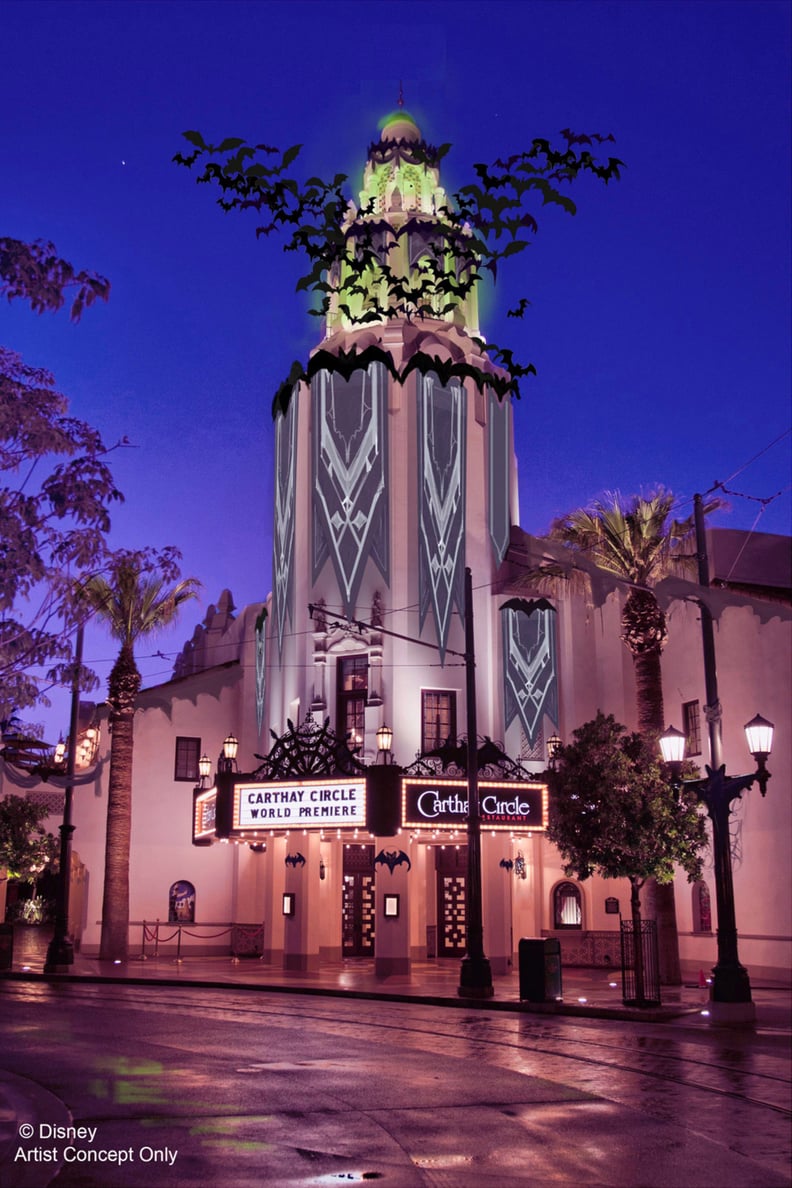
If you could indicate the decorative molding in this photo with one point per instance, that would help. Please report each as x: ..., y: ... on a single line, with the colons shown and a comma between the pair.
x: 350, y: 476
x: 284, y: 525
x: 530, y: 674
x: 441, y: 502
x: 261, y: 667
x: 499, y: 473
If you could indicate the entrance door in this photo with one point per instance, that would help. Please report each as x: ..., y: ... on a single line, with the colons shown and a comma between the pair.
x: 357, y: 909
x: 451, y: 867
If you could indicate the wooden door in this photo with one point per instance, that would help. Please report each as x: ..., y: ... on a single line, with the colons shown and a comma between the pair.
x: 451, y: 867
x: 357, y: 909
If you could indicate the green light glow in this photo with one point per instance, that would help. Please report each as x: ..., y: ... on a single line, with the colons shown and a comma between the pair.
x: 394, y: 117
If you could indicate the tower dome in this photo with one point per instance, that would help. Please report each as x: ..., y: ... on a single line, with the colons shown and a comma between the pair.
x: 399, y: 126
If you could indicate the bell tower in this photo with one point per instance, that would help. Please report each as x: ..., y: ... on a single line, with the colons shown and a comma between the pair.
x: 394, y: 472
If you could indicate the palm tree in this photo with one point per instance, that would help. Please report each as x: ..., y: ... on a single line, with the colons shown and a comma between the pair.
x: 136, y: 599
x: 636, y: 541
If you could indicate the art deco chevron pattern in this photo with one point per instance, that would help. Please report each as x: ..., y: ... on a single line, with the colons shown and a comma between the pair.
x: 283, y: 528
x: 499, y: 472
x: 261, y: 670
x: 350, y: 476
x: 441, y: 502
x: 529, y: 669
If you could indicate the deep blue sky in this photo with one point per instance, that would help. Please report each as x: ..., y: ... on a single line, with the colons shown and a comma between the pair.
x: 660, y: 314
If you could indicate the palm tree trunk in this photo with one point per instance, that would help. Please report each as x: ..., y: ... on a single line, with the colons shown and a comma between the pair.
x: 644, y: 632
x: 124, y: 684
x: 649, y: 692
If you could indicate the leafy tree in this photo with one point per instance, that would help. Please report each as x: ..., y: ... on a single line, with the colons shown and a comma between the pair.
x: 350, y: 266
x: 140, y: 594
x: 25, y: 846
x: 55, y: 488
x: 35, y: 273
x: 610, y: 813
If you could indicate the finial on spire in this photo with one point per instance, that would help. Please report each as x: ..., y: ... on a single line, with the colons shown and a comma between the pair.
x: 401, y: 94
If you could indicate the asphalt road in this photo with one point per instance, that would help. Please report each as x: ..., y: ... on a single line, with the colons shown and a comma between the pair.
x: 149, y: 1086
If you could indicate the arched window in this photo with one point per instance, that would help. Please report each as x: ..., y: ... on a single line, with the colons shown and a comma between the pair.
x: 567, y: 906
x: 702, y: 908
x: 181, y: 903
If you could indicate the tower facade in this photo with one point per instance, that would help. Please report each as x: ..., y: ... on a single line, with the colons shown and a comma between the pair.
x: 394, y: 472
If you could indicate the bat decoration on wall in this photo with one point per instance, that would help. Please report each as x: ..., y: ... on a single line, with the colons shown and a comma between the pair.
x: 527, y: 605
x: 392, y: 859
x: 295, y: 860
x: 506, y: 863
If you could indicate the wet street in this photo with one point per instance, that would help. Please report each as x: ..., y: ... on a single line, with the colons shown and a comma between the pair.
x: 168, y: 1086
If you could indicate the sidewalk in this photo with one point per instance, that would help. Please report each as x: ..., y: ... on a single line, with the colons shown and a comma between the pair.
x: 592, y: 993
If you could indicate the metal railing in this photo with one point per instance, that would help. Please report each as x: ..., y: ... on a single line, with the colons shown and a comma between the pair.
x: 650, y: 964
x: 246, y: 940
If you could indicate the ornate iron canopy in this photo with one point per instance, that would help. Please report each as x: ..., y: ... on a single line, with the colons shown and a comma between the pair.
x: 451, y: 760
x: 308, y: 750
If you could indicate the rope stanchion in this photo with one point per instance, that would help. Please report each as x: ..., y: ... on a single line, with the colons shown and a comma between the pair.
x: 245, y: 939
x: 210, y: 935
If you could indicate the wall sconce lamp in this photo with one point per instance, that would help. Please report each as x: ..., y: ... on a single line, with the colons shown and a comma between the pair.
x: 204, y: 769
x: 384, y: 743
x: 227, y: 760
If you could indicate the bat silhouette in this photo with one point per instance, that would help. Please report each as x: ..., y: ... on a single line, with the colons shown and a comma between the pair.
x: 295, y: 860
x: 520, y: 309
x: 506, y: 863
x: 527, y: 605
x: 392, y: 859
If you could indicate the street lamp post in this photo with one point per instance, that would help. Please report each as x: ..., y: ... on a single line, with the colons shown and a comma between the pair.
x: 60, y: 953
x: 731, y: 987
x: 475, y: 976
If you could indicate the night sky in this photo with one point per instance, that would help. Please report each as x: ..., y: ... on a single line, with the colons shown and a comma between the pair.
x: 660, y: 315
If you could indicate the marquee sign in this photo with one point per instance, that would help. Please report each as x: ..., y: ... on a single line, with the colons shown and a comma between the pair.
x: 443, y: 804
x: 301, y: 804
x: 205, y: 816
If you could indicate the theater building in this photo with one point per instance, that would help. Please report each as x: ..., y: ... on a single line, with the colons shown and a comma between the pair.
x: 395, y: 519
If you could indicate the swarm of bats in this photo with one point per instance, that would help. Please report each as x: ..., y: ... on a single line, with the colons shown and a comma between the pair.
x: 484, y: 223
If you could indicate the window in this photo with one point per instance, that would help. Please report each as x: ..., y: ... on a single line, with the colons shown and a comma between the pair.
x: 702, y: 908
x: 691, y: 725
x: 567, y: 911
x: 188, y: 752
x: 351, y: 694
x: 438, y: 718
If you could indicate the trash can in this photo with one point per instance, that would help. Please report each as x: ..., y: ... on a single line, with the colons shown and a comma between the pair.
x: 540, y: 969
x: 6, y: 947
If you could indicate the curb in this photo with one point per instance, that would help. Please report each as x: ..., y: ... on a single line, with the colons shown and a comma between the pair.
x: 656, y: 1014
